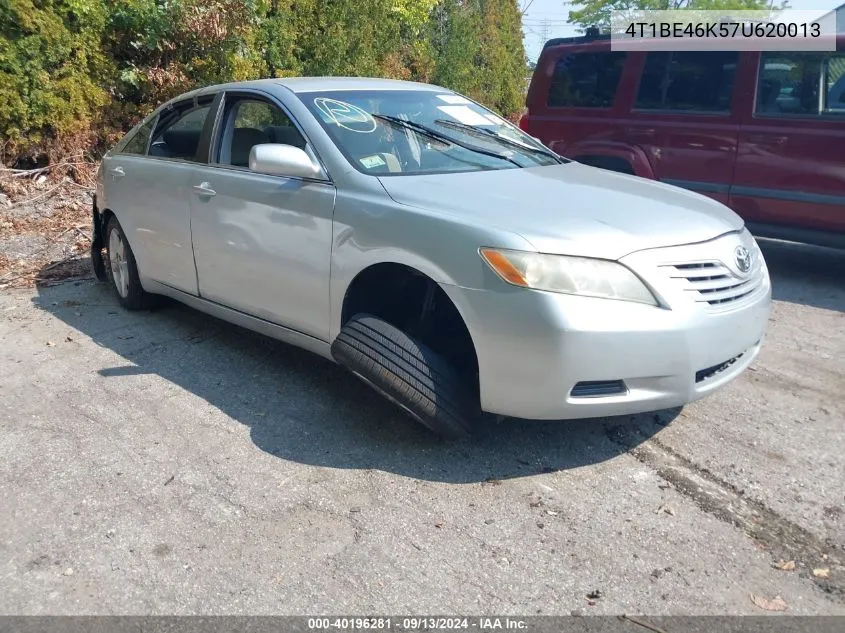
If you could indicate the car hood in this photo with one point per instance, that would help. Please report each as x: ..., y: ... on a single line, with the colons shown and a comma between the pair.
x: 571, y: 209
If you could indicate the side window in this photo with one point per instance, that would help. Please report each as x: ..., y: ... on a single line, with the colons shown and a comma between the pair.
x: 835, y: 84
x: 688, y: 81
x: 789, y: 84
x: 250, y: 122
x: 137, y: 143
x: 802, y: 84
x: 178, y: 133
x: 586, y: 80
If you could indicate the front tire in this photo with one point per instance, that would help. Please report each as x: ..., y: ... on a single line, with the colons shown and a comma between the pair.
x: 122, y: 270
x: 408, y: 373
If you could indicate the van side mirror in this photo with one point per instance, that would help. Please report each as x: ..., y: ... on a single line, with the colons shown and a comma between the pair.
x: 276, y: 159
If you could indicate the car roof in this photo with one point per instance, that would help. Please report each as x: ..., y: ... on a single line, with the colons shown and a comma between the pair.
x: 313, y: 84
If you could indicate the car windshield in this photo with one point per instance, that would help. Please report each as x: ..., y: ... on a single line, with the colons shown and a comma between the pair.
x: 407, y: 132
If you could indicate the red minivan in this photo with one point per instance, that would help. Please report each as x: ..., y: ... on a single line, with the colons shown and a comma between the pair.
x: 763, y: 132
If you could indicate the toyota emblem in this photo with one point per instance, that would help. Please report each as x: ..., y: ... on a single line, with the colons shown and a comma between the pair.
x: 743, y: 259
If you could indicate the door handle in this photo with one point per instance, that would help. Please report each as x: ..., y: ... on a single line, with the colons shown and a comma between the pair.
x: 117, y: 173
x: 647, y: 132
x: 204, y: 189
x: 767, y: 138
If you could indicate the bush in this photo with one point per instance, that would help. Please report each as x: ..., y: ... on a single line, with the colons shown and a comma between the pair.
x: 52, y: 73
x: 75, y: 73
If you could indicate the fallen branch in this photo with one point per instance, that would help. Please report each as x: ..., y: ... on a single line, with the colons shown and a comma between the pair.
x: 86, y: 187
x: 38, y: 197
x: 643, y: 624
x: 23, y: 173
x: 58, y: 263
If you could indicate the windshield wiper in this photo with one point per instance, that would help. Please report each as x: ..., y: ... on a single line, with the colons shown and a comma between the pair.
x: 500, y: 137
x: 439, y: 136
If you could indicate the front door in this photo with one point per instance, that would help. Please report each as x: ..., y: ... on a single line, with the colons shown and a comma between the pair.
x: 262, y: 244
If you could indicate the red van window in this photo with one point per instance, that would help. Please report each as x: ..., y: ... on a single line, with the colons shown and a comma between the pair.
x: 789, y: 84
x: 835, y: 81
x: 586, y: 80
x: 695, y: 81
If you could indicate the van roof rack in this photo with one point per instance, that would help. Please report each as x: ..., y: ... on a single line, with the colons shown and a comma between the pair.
x: 591, y: 34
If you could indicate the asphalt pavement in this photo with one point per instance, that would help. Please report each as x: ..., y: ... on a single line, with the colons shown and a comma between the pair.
x: 170, y: 463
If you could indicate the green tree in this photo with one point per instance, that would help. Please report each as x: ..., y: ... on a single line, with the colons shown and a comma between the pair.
x: 479, y: 51
x: 51, y: 72
x: 74, y: 73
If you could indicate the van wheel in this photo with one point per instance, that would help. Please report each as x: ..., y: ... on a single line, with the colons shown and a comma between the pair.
x: 407, y: 373
x: 122, y: 271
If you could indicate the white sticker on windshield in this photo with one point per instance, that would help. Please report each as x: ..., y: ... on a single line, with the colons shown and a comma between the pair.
x: 453, y: 99
x: 346, y: 115
x: 464, y: 115
x: 373, y: 161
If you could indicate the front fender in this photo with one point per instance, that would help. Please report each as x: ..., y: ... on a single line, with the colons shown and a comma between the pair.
x: 443, y: 249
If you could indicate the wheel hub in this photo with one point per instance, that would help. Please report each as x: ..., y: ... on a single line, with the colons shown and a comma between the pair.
x: 118, y: 263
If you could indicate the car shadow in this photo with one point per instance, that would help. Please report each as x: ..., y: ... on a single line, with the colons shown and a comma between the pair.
x: 305, y: 409
x: 810, y: 275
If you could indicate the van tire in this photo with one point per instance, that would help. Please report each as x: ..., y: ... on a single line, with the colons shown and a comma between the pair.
x: 407, y: 373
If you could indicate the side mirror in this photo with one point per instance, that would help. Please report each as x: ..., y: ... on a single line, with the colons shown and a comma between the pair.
x: 276, y: 159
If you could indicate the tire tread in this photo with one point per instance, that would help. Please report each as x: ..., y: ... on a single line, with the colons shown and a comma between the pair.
x: 408, y: 372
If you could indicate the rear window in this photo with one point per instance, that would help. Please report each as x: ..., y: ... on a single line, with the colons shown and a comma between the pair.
x: 586, y: 80
x: 688, y: 81
x: 136, y: 143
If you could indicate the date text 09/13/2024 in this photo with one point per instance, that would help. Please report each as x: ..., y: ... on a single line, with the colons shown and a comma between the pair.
x: 417, y: 623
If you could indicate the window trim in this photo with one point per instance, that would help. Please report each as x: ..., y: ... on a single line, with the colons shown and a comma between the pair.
x: 711, y: 113
x: 625, y: 61
x: 216, y: 134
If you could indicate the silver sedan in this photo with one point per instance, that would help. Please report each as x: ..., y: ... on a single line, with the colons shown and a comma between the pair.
x: 450, y: 261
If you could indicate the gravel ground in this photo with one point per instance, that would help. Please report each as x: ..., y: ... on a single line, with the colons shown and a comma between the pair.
x: 169, y: 463
x: 45, y: 227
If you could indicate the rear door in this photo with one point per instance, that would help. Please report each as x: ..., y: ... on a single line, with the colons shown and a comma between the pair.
x: 262, y: 243
x: 573, y: 96
x: 791, y: 165
x: 149, y: 192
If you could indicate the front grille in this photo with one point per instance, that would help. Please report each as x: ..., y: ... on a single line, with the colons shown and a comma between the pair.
x: 714, y: 283
x: 704, y: 374
x: 594, y: 388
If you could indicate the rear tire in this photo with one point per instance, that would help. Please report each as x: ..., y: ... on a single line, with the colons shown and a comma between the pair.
x: 122, y: 270
x: 408, y: 373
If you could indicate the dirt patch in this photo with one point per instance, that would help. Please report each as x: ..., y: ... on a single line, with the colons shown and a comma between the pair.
x: 45, y: 223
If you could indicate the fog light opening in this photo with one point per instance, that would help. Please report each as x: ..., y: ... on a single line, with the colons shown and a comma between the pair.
x: 598, y: 388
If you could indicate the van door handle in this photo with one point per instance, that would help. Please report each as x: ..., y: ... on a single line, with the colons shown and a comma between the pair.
x: 767, y: 138
x: 204, y: 189
x: 640, y: 131
x: 117, y: 173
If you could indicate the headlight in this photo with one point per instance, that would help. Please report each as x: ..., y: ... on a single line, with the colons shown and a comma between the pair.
x: 571, y: 275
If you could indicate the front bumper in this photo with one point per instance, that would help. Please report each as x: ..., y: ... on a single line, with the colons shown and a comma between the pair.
x: 534, y: 347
